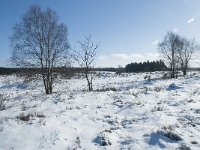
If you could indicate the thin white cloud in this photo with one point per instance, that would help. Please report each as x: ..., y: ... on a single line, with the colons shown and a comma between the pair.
x: 114, y: 60
x: 175, y: 30
x: 120, y: 56
x: 152, y: 55
x: 190, y: 20
x: 155, y: 42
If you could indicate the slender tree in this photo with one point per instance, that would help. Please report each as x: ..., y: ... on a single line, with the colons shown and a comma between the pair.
x: 169, y: 49
x: 185, y: 54
x: 86, y: 57
x: 40, y: 41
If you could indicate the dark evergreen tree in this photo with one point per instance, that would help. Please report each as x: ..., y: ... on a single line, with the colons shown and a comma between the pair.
x: 146, y: 66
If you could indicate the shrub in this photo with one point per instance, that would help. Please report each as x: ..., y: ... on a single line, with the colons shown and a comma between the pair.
x: 183, y: 147
x: 105, y: 89
x: 171, y: 135
x: 2, y: 105
x: 25, y: 117
x: 102, y: 140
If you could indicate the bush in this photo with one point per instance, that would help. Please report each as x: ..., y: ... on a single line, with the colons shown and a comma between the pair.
x: 102, y: 140
x: 25, y: 117
x: 166, y: 76
x: 169, y: 134
x: 105, y: 89
x: 2, y: 105
x: 183, y: 147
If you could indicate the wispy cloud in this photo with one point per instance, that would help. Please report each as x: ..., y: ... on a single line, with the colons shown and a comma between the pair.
x: 155, y: 42
x: 190, y: 20
x: 175, y: 30
x: 114, y: 60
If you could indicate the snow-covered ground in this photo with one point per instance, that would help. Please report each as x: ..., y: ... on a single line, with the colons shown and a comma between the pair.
x: 123, y: 112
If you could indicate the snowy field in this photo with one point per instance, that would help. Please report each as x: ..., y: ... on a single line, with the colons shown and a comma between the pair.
x: 123, y: 112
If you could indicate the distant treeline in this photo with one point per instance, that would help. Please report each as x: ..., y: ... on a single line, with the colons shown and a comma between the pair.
x: 132, y: 67
x: 62, y: 70
x: 32, y: 71
x: 8, y: 71
x: 146, y: 66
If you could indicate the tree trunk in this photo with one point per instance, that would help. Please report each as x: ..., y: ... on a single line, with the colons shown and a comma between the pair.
x: 91, y: 82
x: 88, y: 80
x: 185, y: 69
x: 173, y: 72
x: 48, y: 86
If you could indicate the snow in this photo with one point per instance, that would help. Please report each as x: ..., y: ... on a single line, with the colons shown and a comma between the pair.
x: 123, y: 112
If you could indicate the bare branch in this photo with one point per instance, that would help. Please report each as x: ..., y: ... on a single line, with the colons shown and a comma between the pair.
x: 86, y: 57
x: 39, y: 40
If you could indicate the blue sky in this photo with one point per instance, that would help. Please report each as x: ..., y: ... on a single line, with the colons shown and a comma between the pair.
x: 127, y: 30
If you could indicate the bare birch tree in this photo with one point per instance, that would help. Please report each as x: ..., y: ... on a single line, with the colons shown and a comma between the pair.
x: 169, y: 48
x: 40, y: 41
x: 86, y: 57
x: 185, y: 54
